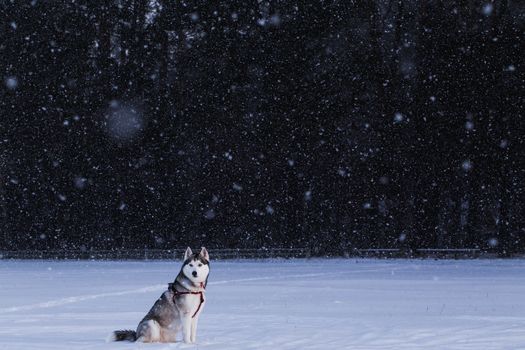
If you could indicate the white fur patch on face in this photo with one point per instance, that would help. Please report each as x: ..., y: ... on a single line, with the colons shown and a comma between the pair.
x: 196, y: 271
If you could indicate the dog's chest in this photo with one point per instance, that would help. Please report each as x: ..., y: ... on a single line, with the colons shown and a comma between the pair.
x: 190, y: 303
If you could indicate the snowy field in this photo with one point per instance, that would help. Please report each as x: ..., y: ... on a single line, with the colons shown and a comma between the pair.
x: 297, y: 304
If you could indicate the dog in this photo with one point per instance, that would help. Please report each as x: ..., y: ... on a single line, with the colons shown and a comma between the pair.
x: 177, y: 308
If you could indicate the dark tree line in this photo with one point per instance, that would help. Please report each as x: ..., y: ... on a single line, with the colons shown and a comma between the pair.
x: 324, y: 124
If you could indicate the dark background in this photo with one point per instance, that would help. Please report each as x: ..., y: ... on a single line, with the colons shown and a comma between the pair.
x: 329, y: 125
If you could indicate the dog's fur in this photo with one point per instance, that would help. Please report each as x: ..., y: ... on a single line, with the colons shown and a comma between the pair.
x: 173, y: 310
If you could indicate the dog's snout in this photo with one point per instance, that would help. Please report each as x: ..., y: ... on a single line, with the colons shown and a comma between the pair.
x: 194, y: 273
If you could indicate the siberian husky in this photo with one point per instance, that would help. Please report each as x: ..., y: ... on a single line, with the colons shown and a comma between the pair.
x: 178, y: 307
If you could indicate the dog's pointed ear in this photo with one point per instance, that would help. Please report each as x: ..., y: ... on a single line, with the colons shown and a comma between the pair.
x: 188, y: 253
x: 204, y: 254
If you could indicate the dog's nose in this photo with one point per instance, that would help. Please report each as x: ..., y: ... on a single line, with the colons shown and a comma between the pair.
x: 194, y: 273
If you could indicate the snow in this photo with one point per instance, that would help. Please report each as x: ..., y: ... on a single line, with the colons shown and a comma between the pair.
x: 487, y: 9
x: 398, y: 117
x: 278, y: 304
x: 11, y: 83
x: 466, y: 165
x: 123, y: 121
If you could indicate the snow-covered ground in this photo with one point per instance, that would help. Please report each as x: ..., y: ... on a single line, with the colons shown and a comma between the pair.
x: 297, y: 304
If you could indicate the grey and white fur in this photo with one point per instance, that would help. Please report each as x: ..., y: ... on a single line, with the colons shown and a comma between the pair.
x: 177, y: 308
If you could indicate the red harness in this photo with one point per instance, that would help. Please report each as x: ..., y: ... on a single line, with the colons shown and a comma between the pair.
x: 177, y: 293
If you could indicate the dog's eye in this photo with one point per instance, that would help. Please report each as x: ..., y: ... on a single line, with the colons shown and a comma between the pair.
x: 191, y: 265
x: 200, y: 265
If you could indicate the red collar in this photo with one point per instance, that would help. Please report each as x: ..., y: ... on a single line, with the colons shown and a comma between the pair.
x: 177, y: 293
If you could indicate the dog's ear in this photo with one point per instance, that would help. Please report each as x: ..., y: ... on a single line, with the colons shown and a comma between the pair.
x: 188, y: 253
x: 204, y: 254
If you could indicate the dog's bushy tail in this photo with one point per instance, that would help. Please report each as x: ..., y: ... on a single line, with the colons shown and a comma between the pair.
x: 124, y: 335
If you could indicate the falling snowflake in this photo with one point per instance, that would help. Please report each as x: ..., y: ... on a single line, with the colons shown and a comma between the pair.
x: 487, y: 9
x: 209, y: 214
x: 11, y: 83
x: 123, y: 122
x: 308, y: 195
x: 466, y: 165
x: 80, y: 182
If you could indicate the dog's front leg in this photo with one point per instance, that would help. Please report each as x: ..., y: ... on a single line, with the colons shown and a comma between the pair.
x: 194, y: 322
x: 186, y: 327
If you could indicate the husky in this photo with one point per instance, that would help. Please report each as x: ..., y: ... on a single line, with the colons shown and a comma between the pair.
x: 178, y: 307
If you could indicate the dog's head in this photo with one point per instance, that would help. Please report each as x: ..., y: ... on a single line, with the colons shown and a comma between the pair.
x: 196, y: 266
